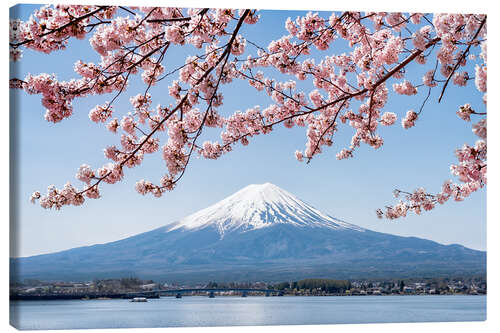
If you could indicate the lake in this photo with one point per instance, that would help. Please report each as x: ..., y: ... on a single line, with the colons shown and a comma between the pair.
x: 230, y: 311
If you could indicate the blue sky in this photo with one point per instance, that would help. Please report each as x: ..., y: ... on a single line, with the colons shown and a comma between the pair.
x: 350, y: 189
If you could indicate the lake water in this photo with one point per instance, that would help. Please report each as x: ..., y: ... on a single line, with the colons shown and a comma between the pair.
x: 229, y: 311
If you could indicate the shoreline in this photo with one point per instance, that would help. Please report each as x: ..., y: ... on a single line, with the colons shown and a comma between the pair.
x: 14, y: 298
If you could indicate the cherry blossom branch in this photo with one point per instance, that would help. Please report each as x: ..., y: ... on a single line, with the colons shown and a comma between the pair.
x: 64, y: 26
x: 462, y: 56
x: 118, y: 169
x: 332, y: 124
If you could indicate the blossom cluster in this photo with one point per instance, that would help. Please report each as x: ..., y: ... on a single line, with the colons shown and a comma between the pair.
x: 49, y: 28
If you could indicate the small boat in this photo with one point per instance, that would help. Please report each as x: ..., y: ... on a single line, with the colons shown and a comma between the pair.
x: 139, y: 299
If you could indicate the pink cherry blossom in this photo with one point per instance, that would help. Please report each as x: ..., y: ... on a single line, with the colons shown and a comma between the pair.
x: 460, y: 79
x: 409, y: 120
x: 101, y: 113
x: 481, y: 78
x: 465, y: 112
x: 128, y: 125
x: 388, y: 118
x: 428, y: 79
x: 405, y: 88
x: 113, y: 125
x: 480, y: 128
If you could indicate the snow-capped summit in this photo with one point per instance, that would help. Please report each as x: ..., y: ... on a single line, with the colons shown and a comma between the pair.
x: 258, y: 206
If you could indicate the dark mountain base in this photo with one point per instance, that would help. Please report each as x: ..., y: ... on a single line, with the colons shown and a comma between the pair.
x: 278, y: 253
x: 267, y: 273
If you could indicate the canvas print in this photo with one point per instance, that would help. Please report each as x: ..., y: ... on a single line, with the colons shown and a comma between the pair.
x: 180, y: 167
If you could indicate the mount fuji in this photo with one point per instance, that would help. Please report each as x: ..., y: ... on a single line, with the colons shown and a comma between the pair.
x: 261, y: 232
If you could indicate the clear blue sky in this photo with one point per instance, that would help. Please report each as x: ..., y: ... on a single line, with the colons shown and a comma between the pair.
x: 350, y: 189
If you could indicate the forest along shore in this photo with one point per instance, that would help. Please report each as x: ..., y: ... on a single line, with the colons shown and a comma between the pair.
x: 127, y: 288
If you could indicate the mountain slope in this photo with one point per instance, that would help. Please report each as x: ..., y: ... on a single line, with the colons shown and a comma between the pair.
x: 261, y: 232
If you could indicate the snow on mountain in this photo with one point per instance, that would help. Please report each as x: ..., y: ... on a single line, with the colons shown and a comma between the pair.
x: 259, y: 206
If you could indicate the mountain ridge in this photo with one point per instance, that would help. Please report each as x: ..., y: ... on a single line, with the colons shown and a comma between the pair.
x: 262, y: 232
